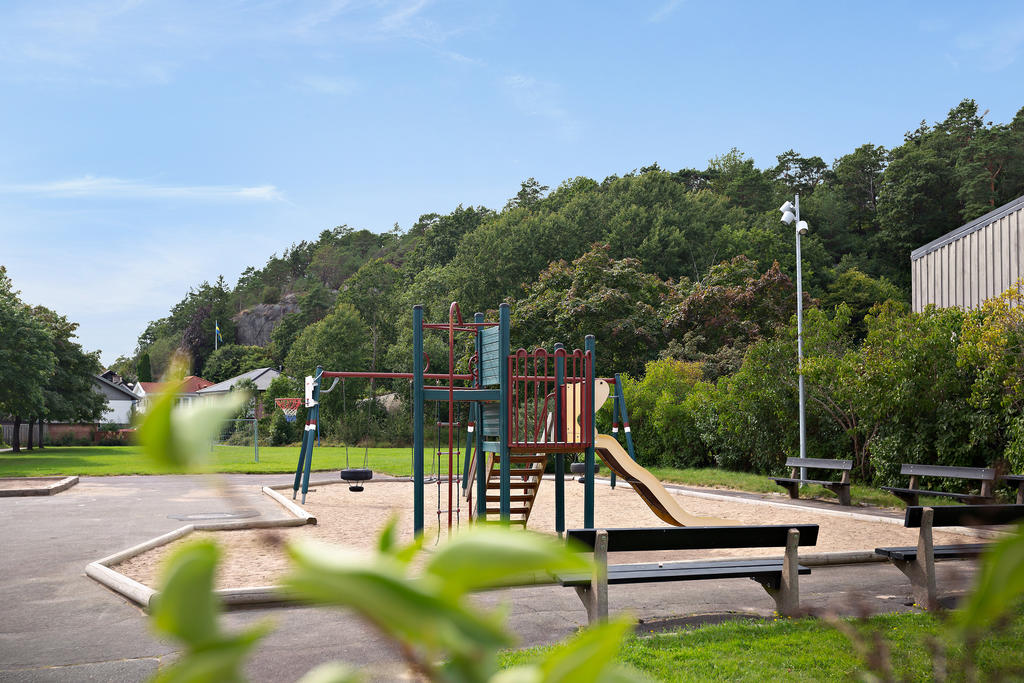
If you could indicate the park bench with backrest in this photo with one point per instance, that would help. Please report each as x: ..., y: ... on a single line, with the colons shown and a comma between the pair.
x: 778, y: 576
x: 986, y: 475
x: 1018, y: 481
x: 792, y: 483
x: 918, y: 562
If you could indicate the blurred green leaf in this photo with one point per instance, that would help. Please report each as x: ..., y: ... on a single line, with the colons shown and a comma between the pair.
x: 186, y: 607
x: 1000, y: 584
x: 332, y: 672
x: 178, y: 438
x: 491, y: 557
x: 219, y: 662
x: 412, y: 610
x: 590, y: 656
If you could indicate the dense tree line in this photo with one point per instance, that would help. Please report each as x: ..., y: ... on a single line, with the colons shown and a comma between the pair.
x: 689, y: 266
x: 45, y: 375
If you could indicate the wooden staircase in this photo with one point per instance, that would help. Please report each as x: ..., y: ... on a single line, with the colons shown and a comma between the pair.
x: 526, y: 476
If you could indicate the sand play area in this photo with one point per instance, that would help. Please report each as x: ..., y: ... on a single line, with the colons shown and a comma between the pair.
x: 257, y: 557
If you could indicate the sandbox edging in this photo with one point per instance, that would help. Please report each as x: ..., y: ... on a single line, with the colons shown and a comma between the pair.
x: 101, y: 571
x: 58, y: 486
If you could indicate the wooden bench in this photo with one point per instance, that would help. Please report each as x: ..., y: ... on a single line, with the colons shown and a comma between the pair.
x: 986, y: 475
x: 792, y: 483
x: 918, y: 562
x: 1017, y: 479
x: 778, y: 576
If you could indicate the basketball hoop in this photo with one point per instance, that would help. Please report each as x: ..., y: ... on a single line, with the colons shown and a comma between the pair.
x: 288, y: 406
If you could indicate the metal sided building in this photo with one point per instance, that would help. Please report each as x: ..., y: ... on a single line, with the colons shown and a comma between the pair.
x: 975, y: 262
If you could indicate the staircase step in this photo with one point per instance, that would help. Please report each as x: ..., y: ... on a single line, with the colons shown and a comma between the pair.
x: 512, y: 498
x: 527, y: 458
x: 512, y: 511
x: 494, y: 484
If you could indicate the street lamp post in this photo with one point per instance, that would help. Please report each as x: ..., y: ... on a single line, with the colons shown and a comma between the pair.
x: 791, y: 214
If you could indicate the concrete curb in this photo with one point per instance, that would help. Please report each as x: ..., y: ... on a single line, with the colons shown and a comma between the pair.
x: 59, y: 484
x: 102, y: 572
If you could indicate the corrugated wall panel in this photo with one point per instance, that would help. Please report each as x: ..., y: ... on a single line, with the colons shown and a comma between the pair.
x: 968, y: 269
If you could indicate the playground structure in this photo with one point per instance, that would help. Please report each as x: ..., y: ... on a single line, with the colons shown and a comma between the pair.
x: 523, y: 408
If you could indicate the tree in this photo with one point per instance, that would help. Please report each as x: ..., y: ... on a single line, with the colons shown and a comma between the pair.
x: 69, y: 394
x: 232, y: 360
x: 338, y: 342
x: 800, y: 175
x: 372, y: 292
x: 26, y: 358
x: 860, y: 293
x: 529, y: 195
x: 731, y: 308
x: 145, y: 368
x: 613, y: 300
x: 283, y: 336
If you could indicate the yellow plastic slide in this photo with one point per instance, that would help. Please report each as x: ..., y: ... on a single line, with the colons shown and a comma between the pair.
x: 647, y: 486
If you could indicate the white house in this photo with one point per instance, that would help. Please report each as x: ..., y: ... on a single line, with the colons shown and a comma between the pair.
x: 261, y: 377
x: 187, y: 393
x: 120, y: 400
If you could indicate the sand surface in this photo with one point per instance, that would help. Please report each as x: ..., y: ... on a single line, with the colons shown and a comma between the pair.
x: 256, y: 557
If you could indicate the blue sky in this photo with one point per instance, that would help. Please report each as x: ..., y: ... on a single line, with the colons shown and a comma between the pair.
x: 148, y: 146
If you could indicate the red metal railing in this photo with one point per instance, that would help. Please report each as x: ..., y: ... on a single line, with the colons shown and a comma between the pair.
x: 537, y: 423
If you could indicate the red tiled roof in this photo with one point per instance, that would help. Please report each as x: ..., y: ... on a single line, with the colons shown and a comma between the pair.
x: 189, y: 385
x: 192, y: 384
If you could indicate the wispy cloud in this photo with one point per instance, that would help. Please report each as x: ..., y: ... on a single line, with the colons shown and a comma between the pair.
x: 328, y: 85
x: 538, y: 98
x: 665, y: 10
x: 117, y: 188
x: 998, y: 46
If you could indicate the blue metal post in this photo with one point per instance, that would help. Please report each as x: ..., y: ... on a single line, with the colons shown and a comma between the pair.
x: 588, y: 482
x: 417, y: 419
x: 504, y: 343
x: 312, y: 432
x: 481, y: 474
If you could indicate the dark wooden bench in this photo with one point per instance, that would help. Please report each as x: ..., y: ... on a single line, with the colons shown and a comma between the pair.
x: 986, y: 475
x: 777, y: 576
x: 918, y: 562
x: 1017, y: 479
x: 792, y: 483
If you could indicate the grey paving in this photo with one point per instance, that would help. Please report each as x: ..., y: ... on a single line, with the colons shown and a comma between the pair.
x: 58, y: 625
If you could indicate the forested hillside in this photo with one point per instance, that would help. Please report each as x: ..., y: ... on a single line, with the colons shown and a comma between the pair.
x: 690, y: 266
x: 667, y: 260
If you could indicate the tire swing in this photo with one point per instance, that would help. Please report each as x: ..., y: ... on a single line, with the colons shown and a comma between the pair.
x: 580, y: 468
x: 355, y: 476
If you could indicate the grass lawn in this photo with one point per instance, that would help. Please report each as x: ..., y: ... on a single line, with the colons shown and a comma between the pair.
x: 801, y: 650
x: 110, y: 460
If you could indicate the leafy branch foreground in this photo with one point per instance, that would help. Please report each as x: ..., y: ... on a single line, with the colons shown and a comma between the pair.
x: 422, y: 602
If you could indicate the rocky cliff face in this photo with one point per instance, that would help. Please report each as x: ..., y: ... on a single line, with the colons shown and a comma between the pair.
x: 254, y: 325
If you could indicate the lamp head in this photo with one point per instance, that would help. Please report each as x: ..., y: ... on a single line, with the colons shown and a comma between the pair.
x: 801, y: 228
x: 788, y: 213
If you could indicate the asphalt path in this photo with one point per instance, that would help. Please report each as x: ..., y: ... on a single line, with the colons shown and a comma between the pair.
x: 56, y: 624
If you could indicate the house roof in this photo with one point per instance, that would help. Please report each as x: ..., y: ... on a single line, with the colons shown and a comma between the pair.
x: 189, y: 385
x: 128, y: 394
x: 261, y: 377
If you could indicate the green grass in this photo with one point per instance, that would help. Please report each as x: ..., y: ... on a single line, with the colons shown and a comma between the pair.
x: 759, y: 483
x: 111, y: 460
x: 801, y: 650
